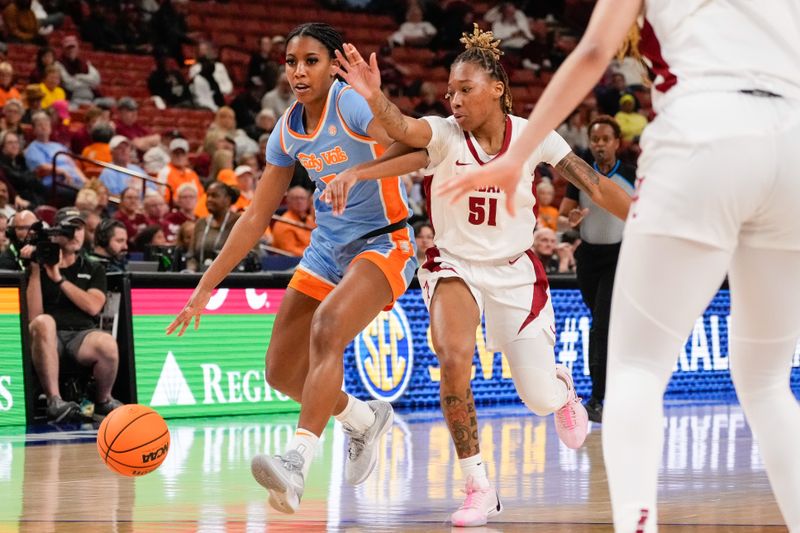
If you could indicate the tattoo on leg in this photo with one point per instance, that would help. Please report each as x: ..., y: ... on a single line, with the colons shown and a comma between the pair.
x: 462, y: 420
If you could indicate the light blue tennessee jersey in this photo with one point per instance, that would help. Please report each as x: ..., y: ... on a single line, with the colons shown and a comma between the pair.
x: 339, y: 142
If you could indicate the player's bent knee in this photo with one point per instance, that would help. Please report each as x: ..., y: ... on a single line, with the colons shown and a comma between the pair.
x: 326, y: 332
x: 455, y: 363
x: 538, y: 392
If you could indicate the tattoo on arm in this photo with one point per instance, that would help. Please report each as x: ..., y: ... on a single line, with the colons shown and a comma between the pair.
x: 462, y: 419
x: 577, y: 172
x: 392, y: 119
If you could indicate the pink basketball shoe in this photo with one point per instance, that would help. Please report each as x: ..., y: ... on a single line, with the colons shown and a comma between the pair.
x: 481, y: 503
x: 572, y: 420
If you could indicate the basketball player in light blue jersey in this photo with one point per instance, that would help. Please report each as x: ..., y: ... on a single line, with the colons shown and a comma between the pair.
x: 356, y: 265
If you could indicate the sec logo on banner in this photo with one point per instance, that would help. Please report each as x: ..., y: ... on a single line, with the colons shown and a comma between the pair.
x: 385, y: 355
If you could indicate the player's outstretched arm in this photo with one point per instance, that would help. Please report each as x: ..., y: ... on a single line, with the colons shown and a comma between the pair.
x: 611, y: 20
x: 365, y: 79
x: 247, y: 230
x: 603, y: 192
x: 396, y: 161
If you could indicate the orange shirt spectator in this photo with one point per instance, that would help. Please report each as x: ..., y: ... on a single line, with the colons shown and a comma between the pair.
x: 548, y: 214
x: 99, y: 151
x: 289, y: 237
x: 177, y: 171
x: 7, y: 89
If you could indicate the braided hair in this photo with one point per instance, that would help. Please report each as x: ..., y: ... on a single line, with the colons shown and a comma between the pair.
x: 483, y: 49
x: 324, y: 33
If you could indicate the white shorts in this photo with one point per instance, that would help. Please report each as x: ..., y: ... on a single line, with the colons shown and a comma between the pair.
x: 721, y: 169
x: 514, y: 295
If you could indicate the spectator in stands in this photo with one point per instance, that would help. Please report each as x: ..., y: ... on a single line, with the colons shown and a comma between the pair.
x: 64, y: 301
x: 574, y: 131
x: 12, y: 119
x: 130, y: 213
x: 117, y: 181
x: 548, y: 213
x: 295, y: 238
x: 170, y: 31
x: 186, y: 202
x: 51, y: 87
x: 79, y: 76
x: 103, y: 209
x: 207, y: 53
x: 630, y: 121
x: 133, y: 33
x: 129, y: 126
x: 457, y: 18
x: 279, y: 98
x: 205, y: 89
x: 99, y: 150
x: 86, y: 200
x: 20, y: 23
x: 265, y: 123
x: 396, y: 78
x: 39, y: 156
x: 415, y: 31
x: 4, y: 240
x: 92, y: 221
x: 262, y: 65
x: 222, y: 160
x: 183, y: 246
x: 47, y: 21
x: 430, y: 104
x: 7, y: 89
x: 45, y: 56
x: 608, y: 96
x: 6, y: 201
x: 33, y: 102
x: 247, y: 104
x: 177, y: 170
x: 82, y: 138
x: 224, y: 125
x: 154, y: 207
x: 423, y: 233
x: 110, y: 247
x: 510, y: 25
x: 20, y: 226
x: 14, y: 168
x: 556, y: 258
x: 246, y: 183
x: 211, y: 232
x: 168, y: 83
x: 59, y: 114
x: 150, y: 236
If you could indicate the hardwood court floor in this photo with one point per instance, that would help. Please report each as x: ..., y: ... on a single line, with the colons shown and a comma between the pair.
x: 712, y: 479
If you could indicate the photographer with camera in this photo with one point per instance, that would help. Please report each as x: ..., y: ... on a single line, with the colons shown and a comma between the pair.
x: 20, y: 233
x: 66, y: 293
x: 111, y: 245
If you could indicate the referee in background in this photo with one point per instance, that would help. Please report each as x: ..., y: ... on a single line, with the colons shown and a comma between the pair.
x: 596, y: 257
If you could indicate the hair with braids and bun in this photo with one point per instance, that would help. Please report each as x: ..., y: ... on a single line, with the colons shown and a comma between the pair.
x: 483, y: 49
x: 324, y: 33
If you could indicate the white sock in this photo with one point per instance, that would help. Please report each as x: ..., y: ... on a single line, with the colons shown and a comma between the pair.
x: 357, y: 414
x: 473, y: 466
x: 305, y: 443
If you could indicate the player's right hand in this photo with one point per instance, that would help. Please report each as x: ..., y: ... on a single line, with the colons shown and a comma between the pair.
x: 338, y: 188
x: 364, y: 78
x: 193, y: 309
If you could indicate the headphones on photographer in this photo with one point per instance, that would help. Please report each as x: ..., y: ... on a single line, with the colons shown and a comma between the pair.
x: 104, y: 231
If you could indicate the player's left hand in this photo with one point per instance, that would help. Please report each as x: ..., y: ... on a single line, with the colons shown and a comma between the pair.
x: 338, y: 188
x: 504, y: 172
x: 364, y: 78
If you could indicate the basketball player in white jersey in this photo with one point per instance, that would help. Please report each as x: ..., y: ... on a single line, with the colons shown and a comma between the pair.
x: 481, y: 262
x: 718, y: 190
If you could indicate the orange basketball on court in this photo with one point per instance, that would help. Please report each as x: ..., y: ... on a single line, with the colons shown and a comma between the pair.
x: 133, y: 440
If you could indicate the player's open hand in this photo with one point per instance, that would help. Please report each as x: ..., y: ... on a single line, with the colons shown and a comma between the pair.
x: 338, y: 188
x: 364, y: 77
x: 504, y: 172
x: 576, y: 216
x: 193, y: 309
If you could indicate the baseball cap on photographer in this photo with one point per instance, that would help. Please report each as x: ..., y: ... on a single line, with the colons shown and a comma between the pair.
x: 69, y: 216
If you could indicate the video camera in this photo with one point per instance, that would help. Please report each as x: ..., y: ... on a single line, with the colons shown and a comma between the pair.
x: 47, y: 252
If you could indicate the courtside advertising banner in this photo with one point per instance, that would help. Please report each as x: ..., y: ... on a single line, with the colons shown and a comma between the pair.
x: 219, y: 369
x: 12, y: 381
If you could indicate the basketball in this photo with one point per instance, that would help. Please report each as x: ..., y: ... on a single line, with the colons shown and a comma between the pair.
x: 133, y: 440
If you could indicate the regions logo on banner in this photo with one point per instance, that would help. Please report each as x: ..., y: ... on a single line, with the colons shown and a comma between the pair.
x: 384, y: 354
x: 215, y: 370
x: 12, y: 381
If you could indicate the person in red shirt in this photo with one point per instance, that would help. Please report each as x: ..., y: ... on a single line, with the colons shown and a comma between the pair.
x: 129, y: 126
x: 130, y: 213
x: 186, y: 202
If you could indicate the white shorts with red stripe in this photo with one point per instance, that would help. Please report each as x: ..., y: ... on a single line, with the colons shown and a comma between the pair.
x: 514, y: 294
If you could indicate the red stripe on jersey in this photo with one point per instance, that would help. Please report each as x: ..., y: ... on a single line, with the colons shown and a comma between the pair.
x: 506, y: 143
x: 430, y: 264
x: 427, y: 181
x: 650, y: 48
x: 540, y: 287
